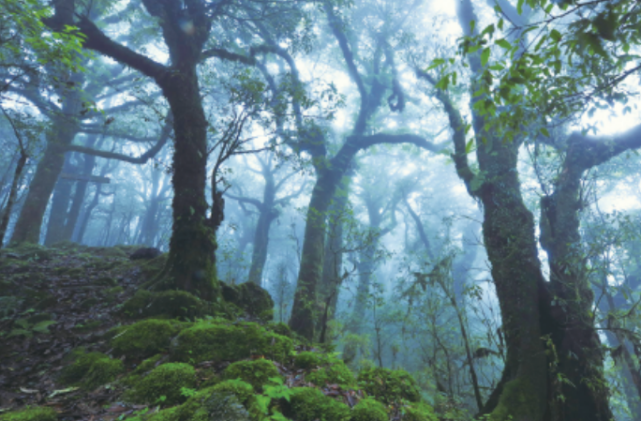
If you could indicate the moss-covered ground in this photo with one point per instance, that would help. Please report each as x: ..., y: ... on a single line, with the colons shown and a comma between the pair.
x: 83, y: 340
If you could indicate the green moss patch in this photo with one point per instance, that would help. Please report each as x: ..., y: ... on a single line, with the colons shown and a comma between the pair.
x: 31, y: 414
x: 323, y: 369
x: 256, y: 372
x: 163, y: 384
x: 212, y: 401
x: 251, y: 298
x: 220, y: 341
x: 171, y: 304
x: 309, y: 404
x: 369, y: 410
x: 144, y: 339
x: 91, y: 370
x: 389, y: 386
x: 419, y: 412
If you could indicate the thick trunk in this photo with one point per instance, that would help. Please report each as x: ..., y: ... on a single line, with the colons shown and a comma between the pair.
x: 578, y: 346
x: 303, y: 317
x: 508, y: 231
x: 191, y: 263
x: 333, y: 263
x: 13, y: 193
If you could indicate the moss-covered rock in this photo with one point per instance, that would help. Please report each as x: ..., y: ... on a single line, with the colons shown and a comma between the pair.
x: 91, y: 370
x: 31, y: 414
x: 389, y: 386
x: 281, y: 329
x: 144, y: 338
x: 251, y: 298
x: 369, y: 410
x: 171, y: 304
x: 218, y: 340
x: 163, y: 384
x: 29, y: 251
x: 419, y: 412
x: 309, y: 404
x: 195, y: 409
x: 323, y: 369
x: 169, y: 414
x: 255, y: 372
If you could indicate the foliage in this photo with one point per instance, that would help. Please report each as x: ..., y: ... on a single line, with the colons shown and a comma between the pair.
x: 309, y: 404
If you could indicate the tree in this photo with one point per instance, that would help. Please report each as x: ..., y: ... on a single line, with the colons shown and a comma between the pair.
x: 531, y: 308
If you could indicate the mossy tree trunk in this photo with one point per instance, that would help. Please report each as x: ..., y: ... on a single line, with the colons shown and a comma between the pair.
x: 545, y: 343
x: 191, y: 262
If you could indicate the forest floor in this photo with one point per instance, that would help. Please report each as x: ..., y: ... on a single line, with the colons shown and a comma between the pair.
x: 57, y: 301
x: 53, y: 300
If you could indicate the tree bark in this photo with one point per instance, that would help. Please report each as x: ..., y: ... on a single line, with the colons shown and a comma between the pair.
x: 59, y: 206
x: 62, y: 133
x: 13, y: 193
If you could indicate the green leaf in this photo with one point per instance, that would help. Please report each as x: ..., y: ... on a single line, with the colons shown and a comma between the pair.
x: 555, y: 35
x: 503, y: 43
x: 485, y: 56
x: 469, y: 146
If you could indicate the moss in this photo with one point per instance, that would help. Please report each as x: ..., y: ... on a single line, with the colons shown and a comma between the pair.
x: 388, y: 385
x: 148, y: 364
x: 151, y: 268
x: 323, y: 369
x: 31, y: 414
x: 29, y: 251
x: 255, y: 372
x: 144, y: 339
x: 192, y: 410
x: 309, y: 404
x: 166, y: 381
x: 308, y: 360
x: 169, y: 414
x: 419, y: 412
x: 369, y: 410
x: 107, y: 252
x: 281, y: 329
x: 251, y: 298
x: 172, y: 304
x: 220, y: 341
x: 91, y: 370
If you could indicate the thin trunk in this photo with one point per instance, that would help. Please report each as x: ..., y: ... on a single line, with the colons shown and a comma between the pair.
x: 13, y: 193
x: 89, y: 162
x: 59, y: 205
x: 267, y: 214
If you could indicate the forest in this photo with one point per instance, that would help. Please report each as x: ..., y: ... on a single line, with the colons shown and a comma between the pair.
x: 320, y: 210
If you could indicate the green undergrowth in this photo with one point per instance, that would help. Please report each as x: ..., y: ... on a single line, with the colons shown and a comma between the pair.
x: 238, y: 371
x: 31, y: 414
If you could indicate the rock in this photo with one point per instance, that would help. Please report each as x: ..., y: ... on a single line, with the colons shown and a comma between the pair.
x: 145, y: 253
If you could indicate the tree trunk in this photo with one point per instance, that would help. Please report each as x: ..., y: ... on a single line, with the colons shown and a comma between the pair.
x: 303, y: 317
x: 58, y: 138
x: 59, y: 205
x: 13, y: 193
x: 333, y: 262
x: 267, y: 214
x: 192, y: 246
x: 89, y: 161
